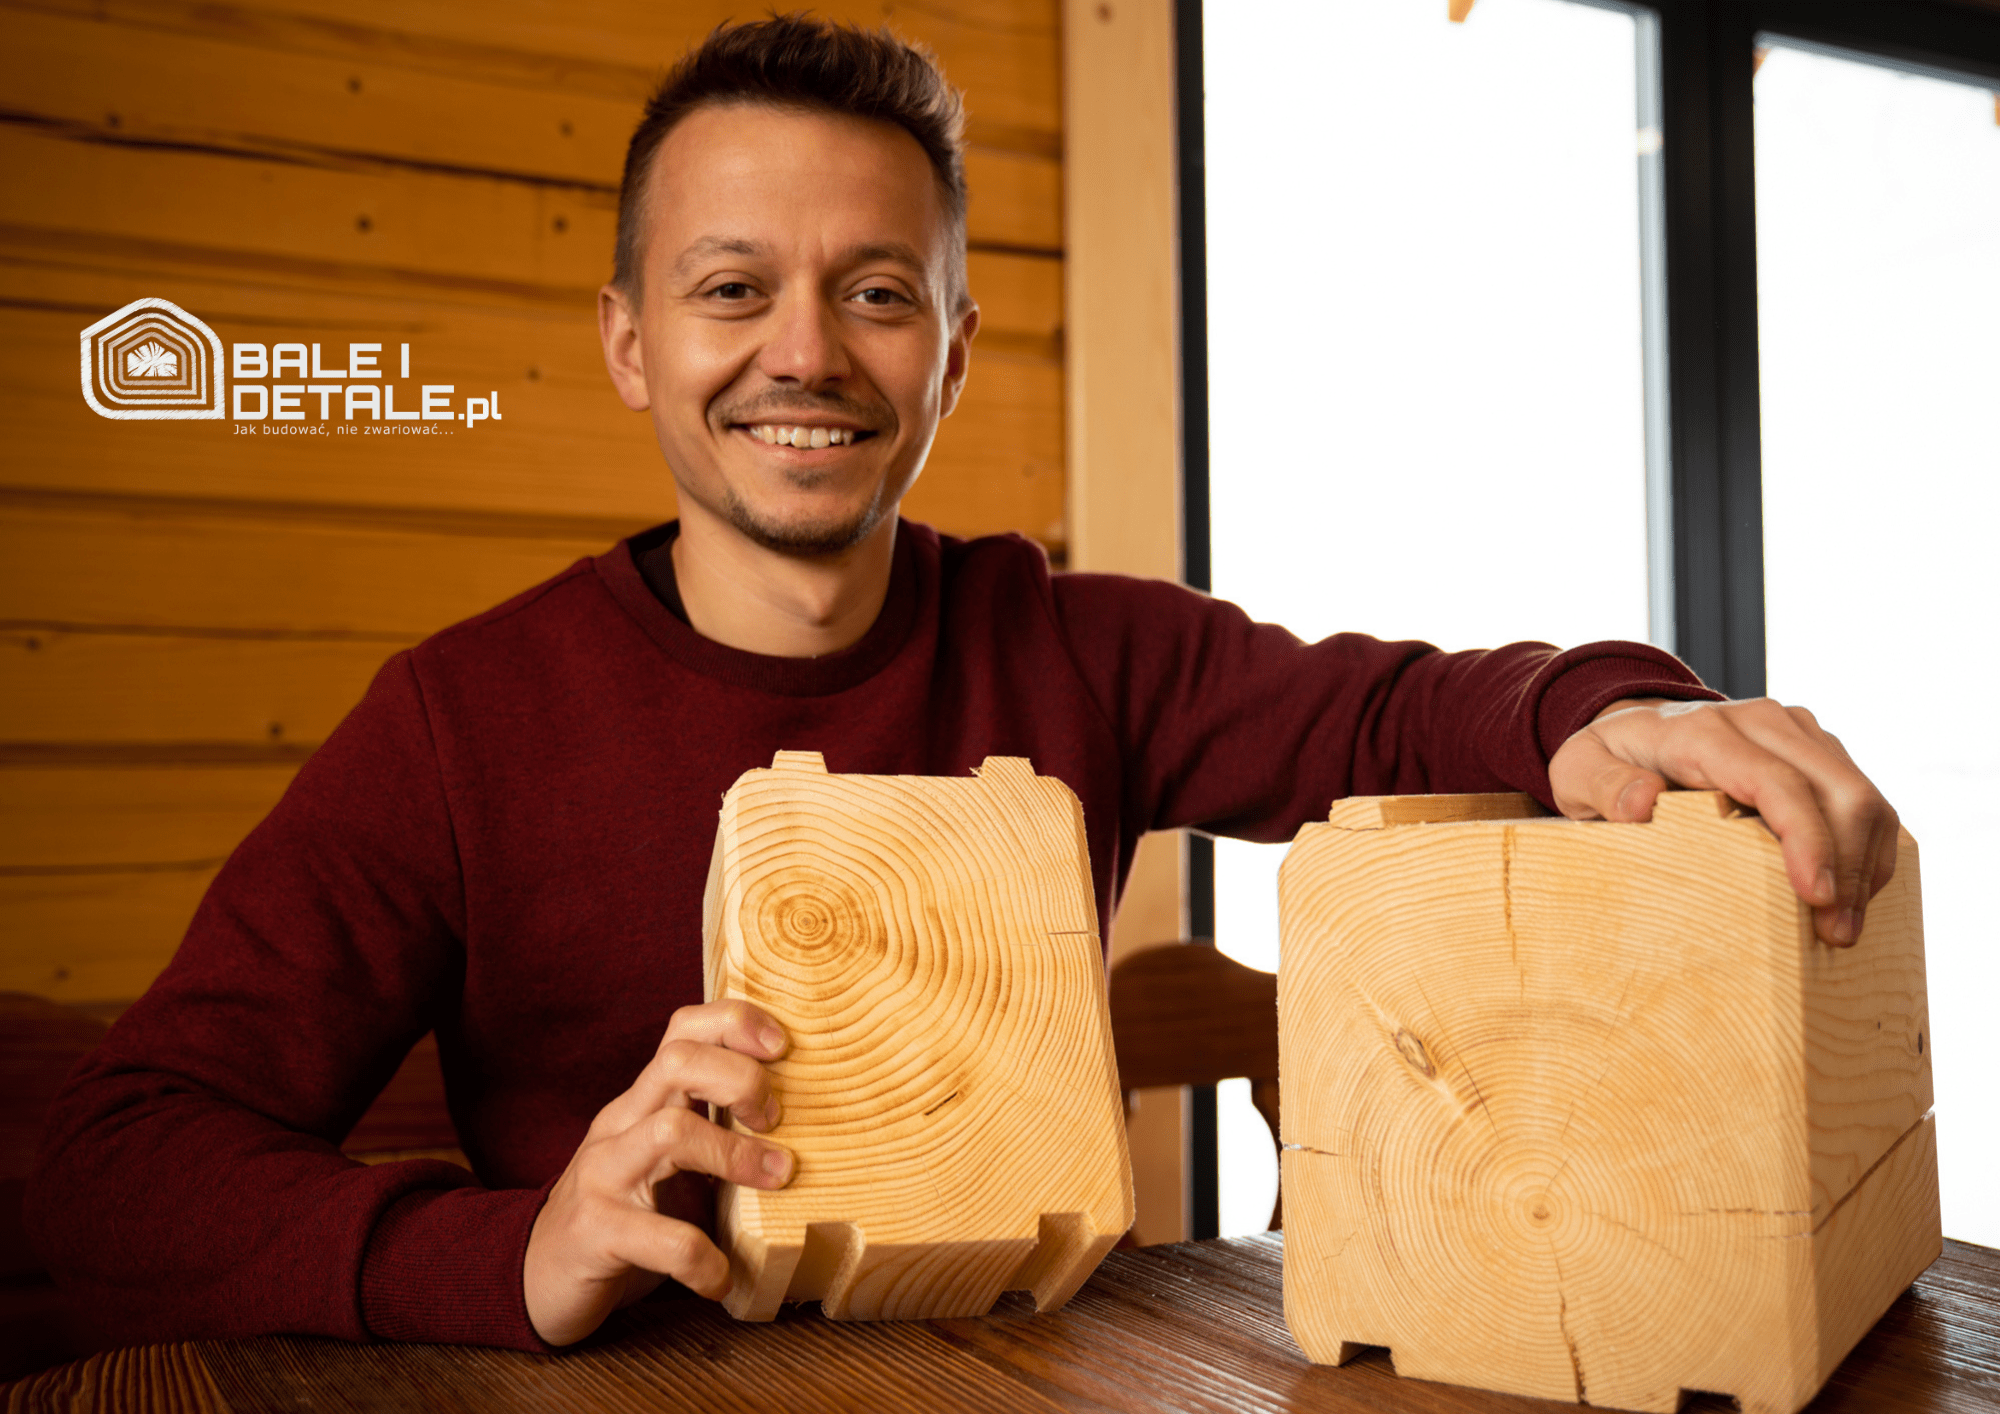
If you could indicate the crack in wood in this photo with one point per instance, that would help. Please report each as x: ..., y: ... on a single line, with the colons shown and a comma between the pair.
x: 1575, y: 1359
x: 1479, y: 1095
x: 1856, y: 1187
x: 1748, y: 1213
x: 1649, y: 1240
x: 1840, y: 1203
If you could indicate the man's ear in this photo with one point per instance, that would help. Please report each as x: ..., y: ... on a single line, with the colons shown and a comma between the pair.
x: 958, y: 359
x: 624, y: 354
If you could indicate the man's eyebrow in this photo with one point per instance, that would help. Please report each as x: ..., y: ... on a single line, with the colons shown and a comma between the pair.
x: 897, y: 252
x: 886, y: 250
x: 716, y: 245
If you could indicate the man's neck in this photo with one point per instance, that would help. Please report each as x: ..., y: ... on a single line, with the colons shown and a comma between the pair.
x: 741, y: 595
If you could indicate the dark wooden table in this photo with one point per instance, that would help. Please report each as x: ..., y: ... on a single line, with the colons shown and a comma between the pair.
x: 1198, y: 1326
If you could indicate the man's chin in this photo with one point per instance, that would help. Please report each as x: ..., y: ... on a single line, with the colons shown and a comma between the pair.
x: 805, y: 535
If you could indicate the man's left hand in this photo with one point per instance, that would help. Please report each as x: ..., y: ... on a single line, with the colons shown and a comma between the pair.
x: 1838, y: 833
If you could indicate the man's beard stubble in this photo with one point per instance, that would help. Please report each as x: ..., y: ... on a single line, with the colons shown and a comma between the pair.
x: 813, y: 539
x: 817, y: 538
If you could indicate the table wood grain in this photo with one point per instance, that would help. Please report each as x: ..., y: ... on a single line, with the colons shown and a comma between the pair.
x: 1197, y: 1326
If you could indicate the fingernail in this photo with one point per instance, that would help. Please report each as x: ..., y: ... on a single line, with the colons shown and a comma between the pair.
x: 1627, y: 808
x: 777, y: 1163
x: 773, y: 1113
x: 1847, y: 925
x: 773, y: 1039
x: 1823, y: 886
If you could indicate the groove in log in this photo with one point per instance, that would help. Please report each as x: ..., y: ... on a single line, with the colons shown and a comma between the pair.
x: 1584, y: 1111
x: 931, y: 947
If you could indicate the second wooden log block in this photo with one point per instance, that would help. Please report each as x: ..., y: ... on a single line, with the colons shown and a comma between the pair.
x: 931, y: 946
x: 1584, y: 1111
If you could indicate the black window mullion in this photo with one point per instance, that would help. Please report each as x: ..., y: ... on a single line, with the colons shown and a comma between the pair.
x: 1710, y: 199
x: 1740, y: 419
x: 1204, y: 1168
x: 1708, y: 152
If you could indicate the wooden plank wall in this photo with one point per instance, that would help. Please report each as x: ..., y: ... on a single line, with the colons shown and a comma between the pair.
x: 186, y: 612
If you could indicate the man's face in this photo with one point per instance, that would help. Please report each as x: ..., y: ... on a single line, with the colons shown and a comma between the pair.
x: 795, y: 340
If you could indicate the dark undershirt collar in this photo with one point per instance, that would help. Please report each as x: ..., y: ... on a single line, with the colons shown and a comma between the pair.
x: 653, y: 553
x: 639, y: 572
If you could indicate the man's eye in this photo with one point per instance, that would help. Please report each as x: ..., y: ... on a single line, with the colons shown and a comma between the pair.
x: 733, y: 290
x: 880, y: 297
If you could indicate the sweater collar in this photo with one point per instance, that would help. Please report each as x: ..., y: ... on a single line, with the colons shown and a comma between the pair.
x: 912, y: 575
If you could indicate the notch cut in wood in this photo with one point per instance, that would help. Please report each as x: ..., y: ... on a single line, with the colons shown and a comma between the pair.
x: 930, y: 944
x: 1584, y: 1111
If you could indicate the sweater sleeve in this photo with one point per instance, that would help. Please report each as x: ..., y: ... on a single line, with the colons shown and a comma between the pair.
x: 1240, y: 729
x: 190, y: 1182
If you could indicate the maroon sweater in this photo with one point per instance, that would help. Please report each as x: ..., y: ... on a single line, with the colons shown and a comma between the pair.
x: 507, y: 842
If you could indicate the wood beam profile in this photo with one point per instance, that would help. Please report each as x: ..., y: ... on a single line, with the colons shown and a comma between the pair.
x: 1585, y: 1112
x: 930, y: 944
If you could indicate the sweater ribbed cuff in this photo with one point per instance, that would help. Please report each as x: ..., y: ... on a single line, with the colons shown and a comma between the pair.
x: 444, y: 1267
x: 1575, y: 686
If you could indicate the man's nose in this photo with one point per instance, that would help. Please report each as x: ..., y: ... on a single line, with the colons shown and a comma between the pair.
x: 805, y: 346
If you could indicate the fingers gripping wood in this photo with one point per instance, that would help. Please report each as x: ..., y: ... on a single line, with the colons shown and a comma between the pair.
x: 951, y: 1094
x: 1584, y: 1111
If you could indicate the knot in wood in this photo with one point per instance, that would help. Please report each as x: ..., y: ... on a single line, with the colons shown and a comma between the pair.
x: 1413, y: 1051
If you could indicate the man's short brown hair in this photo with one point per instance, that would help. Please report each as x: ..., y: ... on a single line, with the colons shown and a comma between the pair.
x: 798, y: 62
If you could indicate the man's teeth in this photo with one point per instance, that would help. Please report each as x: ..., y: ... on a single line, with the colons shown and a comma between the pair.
x: 774, y: 436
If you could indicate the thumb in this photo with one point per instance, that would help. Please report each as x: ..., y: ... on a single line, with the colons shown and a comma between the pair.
x: 1590, y: 783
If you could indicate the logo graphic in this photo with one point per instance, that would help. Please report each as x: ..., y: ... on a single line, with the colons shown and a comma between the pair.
x: 149, y: 360
x: 152, y: 359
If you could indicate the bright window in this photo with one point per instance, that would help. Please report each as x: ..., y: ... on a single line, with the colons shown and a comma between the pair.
x: 1878, y: 223
x: 1426, y: 390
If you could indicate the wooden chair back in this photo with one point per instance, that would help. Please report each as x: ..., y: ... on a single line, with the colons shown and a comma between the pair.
x: 1185, y: 1014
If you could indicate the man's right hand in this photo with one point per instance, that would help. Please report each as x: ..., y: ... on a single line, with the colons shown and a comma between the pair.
x: 600, y: 1241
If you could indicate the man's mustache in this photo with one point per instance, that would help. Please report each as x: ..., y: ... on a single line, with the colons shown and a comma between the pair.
x: 771, y: 407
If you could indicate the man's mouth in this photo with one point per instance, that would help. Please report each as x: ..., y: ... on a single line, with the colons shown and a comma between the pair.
x: 778, y: 434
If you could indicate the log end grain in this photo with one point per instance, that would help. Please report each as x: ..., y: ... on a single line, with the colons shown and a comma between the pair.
x: 1584, y: 1111
x: 931, y: 946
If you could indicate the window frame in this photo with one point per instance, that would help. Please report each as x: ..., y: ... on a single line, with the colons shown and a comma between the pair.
x: 1710, y: 175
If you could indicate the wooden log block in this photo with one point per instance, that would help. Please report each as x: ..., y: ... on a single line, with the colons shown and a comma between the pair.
x: 951, y: 1093
x: 1584, y: 1111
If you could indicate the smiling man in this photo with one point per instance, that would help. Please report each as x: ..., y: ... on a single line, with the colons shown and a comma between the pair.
x: 507, y: 841
x: 791, y: 305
